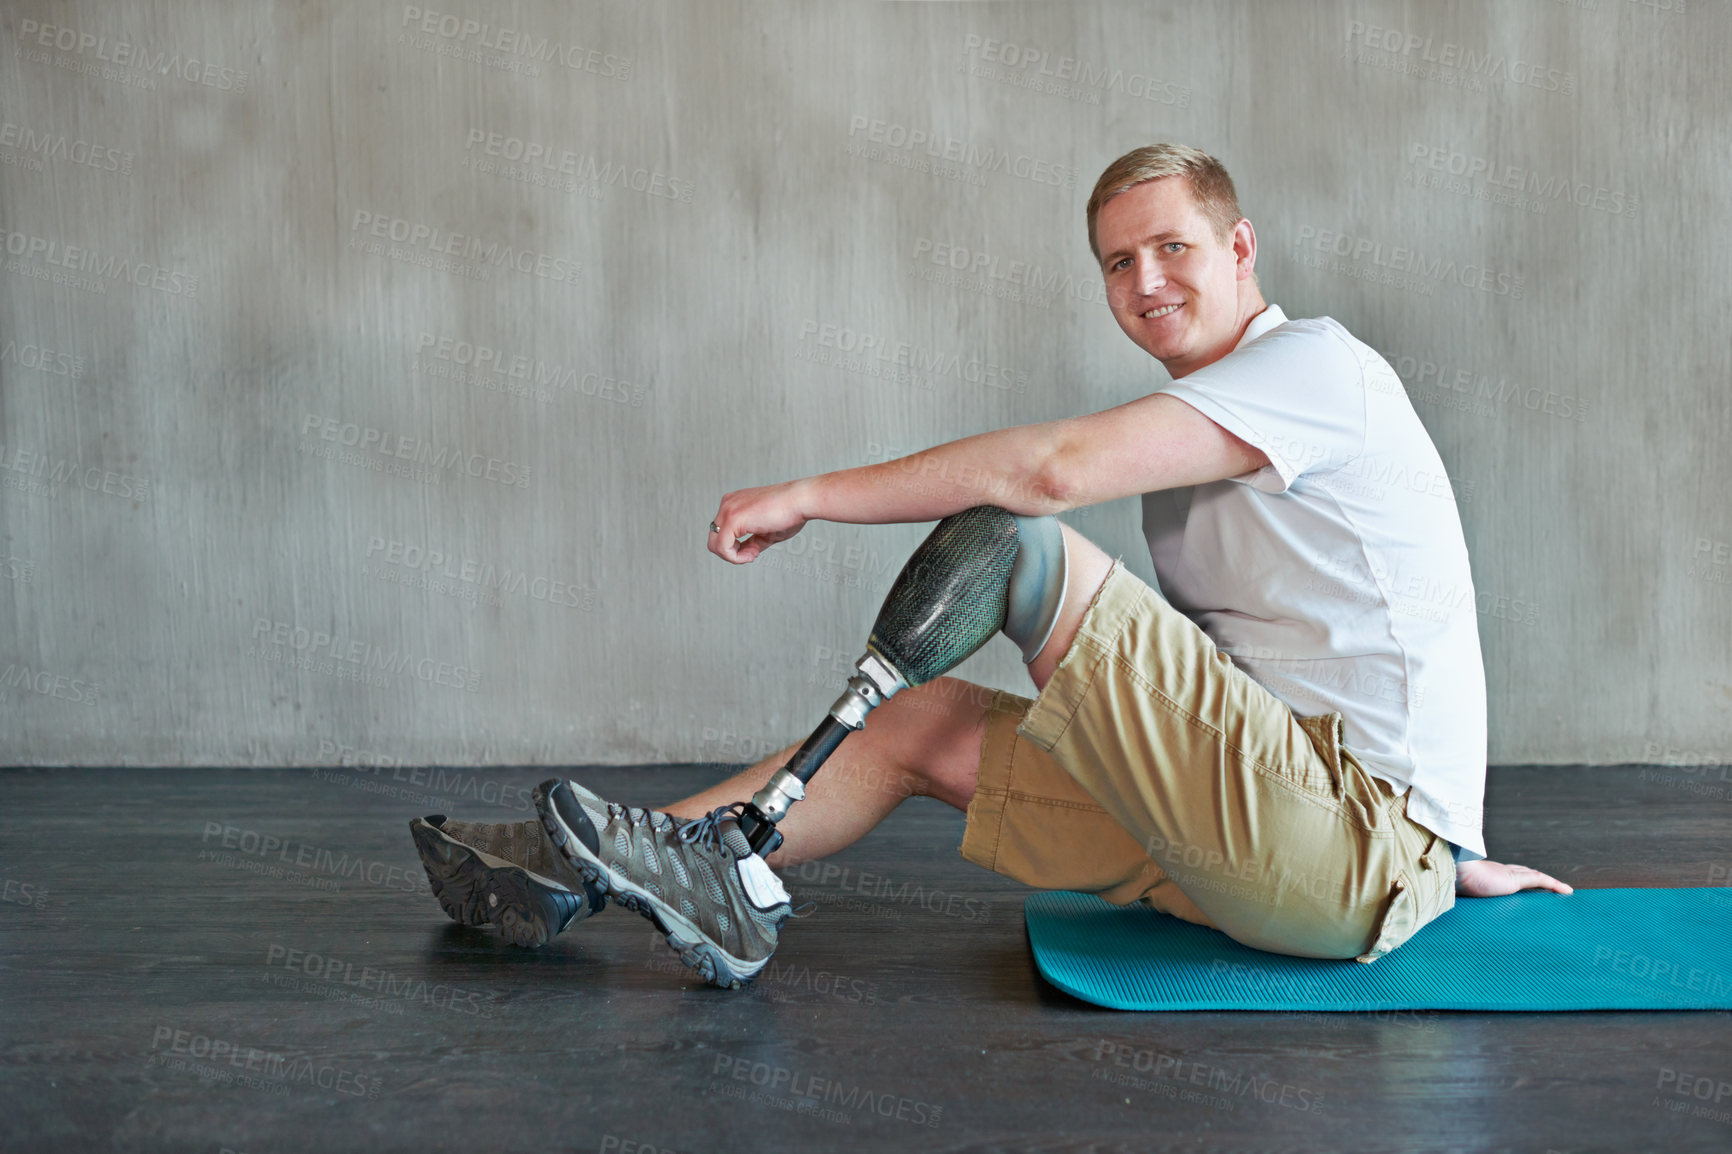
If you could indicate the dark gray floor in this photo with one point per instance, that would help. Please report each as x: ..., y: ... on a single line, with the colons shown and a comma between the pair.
x: 250, y: 961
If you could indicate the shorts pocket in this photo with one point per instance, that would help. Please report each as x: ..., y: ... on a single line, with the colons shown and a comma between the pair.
x: 1399, y: 922
x: 1435, y: 877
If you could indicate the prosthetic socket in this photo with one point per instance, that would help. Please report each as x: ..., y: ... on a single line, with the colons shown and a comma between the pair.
x: 981, y: 571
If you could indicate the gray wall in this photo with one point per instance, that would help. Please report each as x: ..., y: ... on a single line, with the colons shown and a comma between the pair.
x: 249, y: 246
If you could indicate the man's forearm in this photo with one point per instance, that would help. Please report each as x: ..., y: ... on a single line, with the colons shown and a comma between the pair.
x: 1010, y: 468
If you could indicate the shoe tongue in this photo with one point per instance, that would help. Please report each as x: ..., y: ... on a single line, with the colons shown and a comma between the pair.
x: 735, y: 840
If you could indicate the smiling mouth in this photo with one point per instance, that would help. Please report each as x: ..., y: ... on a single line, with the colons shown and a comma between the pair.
x: 1157, y: 314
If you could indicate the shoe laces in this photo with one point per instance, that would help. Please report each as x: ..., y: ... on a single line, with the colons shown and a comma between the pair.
x: 706, y: 831
x: 630, y: 815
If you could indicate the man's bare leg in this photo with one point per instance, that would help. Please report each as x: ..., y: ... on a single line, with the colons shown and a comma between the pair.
x: 924, y: 741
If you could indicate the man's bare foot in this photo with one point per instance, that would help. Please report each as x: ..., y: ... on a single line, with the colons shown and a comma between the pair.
x: 1490, y: 879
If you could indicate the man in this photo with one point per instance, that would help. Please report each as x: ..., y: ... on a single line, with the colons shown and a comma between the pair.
x: 1290, y: 746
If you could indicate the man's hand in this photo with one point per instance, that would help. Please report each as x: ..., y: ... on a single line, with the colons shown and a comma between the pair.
x: 751, y: 520
x: 1490, y: 879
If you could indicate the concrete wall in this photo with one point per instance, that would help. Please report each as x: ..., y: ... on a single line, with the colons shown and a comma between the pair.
x: 689, y: 247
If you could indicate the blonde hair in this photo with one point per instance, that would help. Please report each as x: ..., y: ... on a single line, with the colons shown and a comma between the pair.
x: 1211, y: 187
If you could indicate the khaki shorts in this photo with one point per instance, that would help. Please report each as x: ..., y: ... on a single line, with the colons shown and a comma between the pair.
x: 1151, y: 769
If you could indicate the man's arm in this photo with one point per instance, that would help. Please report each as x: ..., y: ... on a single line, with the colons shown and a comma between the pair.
x: 1152, y: 443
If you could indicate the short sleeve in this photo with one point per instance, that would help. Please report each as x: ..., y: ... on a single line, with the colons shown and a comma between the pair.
x: 1297, y: 393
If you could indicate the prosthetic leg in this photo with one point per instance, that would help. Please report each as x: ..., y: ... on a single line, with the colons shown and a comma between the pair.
x: 981, y: 571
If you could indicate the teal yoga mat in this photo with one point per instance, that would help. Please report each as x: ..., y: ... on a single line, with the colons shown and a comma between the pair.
x: 1646, y: 949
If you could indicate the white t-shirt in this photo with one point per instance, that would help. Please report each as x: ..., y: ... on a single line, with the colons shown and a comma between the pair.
x: 1336, y: 576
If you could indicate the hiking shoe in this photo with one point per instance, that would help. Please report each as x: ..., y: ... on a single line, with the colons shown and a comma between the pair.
x: 698, y: 881
x: 502, y: 874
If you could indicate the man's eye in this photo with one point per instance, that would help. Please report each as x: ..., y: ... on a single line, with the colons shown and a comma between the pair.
x: 1122, y: 262
x: 1174, y: 246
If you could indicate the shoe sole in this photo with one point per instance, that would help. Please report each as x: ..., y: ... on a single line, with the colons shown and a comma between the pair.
x: 479, y: 890
x: 529, y: 913
x: 714, y: 964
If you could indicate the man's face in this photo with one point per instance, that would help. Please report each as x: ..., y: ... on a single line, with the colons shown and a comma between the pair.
x: 1173, y: 287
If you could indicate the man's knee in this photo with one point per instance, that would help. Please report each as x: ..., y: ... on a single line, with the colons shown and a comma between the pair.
x: 934, y: 712
x: 932, y: 732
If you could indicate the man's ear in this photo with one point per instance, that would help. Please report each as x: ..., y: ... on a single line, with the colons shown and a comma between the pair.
x: 1244, y: 249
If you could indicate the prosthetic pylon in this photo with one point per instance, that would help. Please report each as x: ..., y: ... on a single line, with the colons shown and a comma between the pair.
x: 982, y: 571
